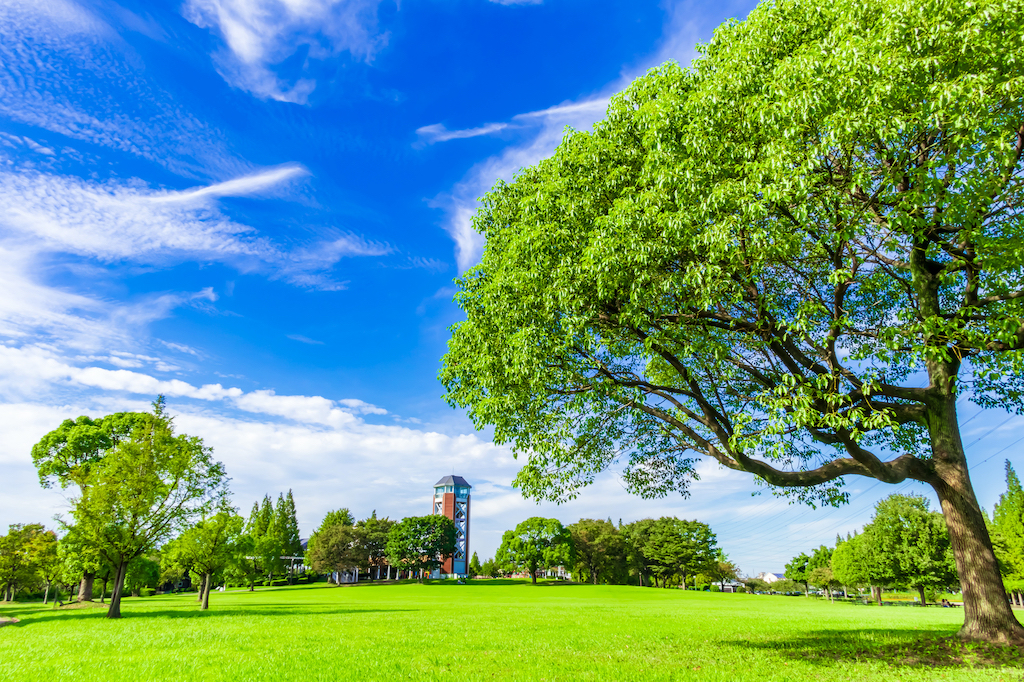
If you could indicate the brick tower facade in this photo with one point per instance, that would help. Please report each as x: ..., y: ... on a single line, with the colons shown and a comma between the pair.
x: 451, y: 498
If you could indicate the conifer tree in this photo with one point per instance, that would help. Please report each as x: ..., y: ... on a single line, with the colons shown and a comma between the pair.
x: 265, y: 520
x: 1008, y: 535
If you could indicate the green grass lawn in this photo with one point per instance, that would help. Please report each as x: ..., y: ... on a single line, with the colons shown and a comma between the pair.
x: 501, y: 630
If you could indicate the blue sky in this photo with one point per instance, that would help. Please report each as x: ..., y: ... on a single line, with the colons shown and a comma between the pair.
x: 257, y: 208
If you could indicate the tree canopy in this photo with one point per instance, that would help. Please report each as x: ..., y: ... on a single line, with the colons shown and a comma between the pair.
x: 791, y: 258
x: 536, y: 542
x: 148, y: 485
x: 421, y: 543
x: 910, y: 544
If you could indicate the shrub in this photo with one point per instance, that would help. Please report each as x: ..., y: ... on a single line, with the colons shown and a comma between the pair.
x: 716, y: 588
x: 146, y: 592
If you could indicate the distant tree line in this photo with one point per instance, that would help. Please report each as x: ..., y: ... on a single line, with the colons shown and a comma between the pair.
x: 906, y: 545
x: 663, y: 552
x: 148, y: 507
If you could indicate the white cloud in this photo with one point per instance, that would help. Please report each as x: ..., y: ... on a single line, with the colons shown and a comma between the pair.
x: 44, y: 49
x: 260, y: 34
x: 547, y: 128
x: 542, y: 130
x: 437, y: 132
x: 45, y: 218
x: 305, y: 339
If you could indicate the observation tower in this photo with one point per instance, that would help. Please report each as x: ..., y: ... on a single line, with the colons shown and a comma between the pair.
x: 451, y: 499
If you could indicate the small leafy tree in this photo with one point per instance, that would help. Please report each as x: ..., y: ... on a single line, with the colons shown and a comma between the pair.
x: 421, y: 543
x: 534, y: 543
x: 854, y: 563
x: 475, y: 568
x: 797, y: 569
x: 17, y: 567
x: 599, y: 549
x: 142, y: 490
x: 211, y: 546
x: 911, y: 544
x: 143, y: 572
x: 372, y: 534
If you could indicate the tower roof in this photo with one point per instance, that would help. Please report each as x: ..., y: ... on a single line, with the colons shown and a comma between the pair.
x: 453, y: 480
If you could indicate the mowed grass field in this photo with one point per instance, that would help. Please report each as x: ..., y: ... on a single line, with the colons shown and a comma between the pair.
x: 485, y: 630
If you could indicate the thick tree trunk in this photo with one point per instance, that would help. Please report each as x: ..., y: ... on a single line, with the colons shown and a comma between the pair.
x: 987, y: 613
x: 202, y: 587
x: 46, y: 594
x: 920, y: 593
x: 206, y: 592
x: 85, y: 587
x: 114, y: 611
x: 876, y: 592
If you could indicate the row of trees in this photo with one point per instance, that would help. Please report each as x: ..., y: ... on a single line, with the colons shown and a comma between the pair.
x: 417, y: 544
x: 148, y: 506
x: 221, y: 546
x: 666, y: 551
x: 907, y: 545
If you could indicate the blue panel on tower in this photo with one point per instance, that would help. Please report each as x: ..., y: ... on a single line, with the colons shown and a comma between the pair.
x: 459, y: 567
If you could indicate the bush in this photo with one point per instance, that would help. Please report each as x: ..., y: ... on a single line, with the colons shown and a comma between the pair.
x: 716, y: 588
x: 741, y: 589
x: 146, y: 592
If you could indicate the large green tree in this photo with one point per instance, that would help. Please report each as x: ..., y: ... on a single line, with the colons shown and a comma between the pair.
x: 373, y: 538
x: 421, y: 543
x: 536, y: 542
x: 145, y: 488
x: 66, y: 456
x: 599, y: 548
x: 911, y: 545
x: 791, y: 258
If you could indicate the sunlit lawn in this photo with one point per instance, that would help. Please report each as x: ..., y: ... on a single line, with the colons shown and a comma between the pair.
x: 485, y: 630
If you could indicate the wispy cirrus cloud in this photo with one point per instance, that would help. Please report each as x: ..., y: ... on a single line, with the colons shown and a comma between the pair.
x: 259, y: 35
x: 539, y: 132
x: 49, y: 49
x: 542, y: 130
x: 45, y: 219
x: 437, y: 132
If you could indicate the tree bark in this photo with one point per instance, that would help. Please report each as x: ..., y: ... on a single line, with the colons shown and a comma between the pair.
x: 114, y: 610
x: 46, y: 594
x: 206, y: 592
x: 920, y: 593
x: 876, y: 590
x: 987, y: 613
x: 202, y: 587
x: 85, y: 587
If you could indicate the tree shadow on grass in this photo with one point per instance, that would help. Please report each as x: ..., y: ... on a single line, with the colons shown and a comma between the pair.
x: 912, y: 649
x: 501, y: 582
x: 193, y: 611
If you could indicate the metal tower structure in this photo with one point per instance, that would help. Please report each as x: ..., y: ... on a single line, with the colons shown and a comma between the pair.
x: 451, y: 499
